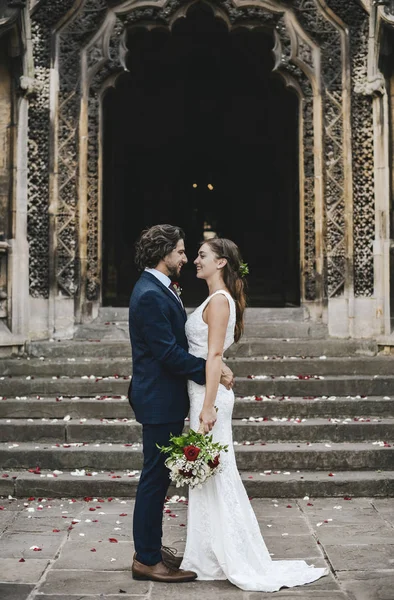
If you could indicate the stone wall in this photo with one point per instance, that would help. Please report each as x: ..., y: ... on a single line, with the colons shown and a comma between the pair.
x: 321, y: 50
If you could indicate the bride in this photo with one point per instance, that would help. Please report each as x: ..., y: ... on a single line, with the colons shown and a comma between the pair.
x: 223, y: 535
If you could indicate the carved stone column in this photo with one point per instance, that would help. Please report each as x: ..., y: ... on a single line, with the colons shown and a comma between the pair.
x: 376, y: 87
x: 14, y: 278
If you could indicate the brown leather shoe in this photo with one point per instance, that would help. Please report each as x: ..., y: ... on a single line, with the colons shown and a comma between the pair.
x: 160, y: 572
x: 169, y: 558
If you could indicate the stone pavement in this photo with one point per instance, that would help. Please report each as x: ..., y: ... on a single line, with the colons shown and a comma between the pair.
x: 82, y: 549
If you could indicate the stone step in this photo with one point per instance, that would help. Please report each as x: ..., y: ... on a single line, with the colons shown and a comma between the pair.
x: 254, y: 347
x: 315, y: 484
x: 63, y: 366
x: 257, y: 457
x: 316, y: 385
x: 119, y: 331
x: 110, y: 314
x: 251, y: 347
x: 129, y: 431
x: 377, y: 365
x: 242, y: 367
x: 344, y: 385
x: 119, y: 408
x: 112, y: 325
x: 75, y: 349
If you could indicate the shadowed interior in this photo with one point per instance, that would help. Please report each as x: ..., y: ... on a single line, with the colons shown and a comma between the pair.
x: 200, y: 133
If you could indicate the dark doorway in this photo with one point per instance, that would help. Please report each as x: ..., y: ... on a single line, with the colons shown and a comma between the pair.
x: 201, y: 134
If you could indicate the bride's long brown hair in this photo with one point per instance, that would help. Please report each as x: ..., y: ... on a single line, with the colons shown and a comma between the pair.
x: 224, y: 248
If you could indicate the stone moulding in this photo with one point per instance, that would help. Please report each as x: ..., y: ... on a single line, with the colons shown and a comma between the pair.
x: 43, y: 19
x: 297, y: 60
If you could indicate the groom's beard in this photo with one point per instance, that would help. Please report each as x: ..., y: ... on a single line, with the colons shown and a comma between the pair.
x: 174, y: 272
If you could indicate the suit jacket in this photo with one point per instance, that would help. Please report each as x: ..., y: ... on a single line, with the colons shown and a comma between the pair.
x: 161, y: 362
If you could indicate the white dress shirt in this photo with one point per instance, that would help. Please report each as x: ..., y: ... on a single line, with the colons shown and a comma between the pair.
x: 164, y: 280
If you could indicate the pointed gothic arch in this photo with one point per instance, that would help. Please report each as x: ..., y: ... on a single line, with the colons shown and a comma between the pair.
x: 297, y: 59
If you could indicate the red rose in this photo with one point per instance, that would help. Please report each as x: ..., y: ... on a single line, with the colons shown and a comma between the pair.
x: 191, y: 452
x: 214, y: 463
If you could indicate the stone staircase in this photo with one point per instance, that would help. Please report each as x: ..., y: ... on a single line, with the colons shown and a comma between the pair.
x: 313, y: 415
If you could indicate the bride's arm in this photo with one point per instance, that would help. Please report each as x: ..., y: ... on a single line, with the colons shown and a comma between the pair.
x: 216, y: 315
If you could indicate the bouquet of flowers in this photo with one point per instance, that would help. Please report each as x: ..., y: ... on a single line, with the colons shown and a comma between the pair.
x: 193, y: 458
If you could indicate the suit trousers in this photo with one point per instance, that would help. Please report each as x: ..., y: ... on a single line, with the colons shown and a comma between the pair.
x: 151, y: 492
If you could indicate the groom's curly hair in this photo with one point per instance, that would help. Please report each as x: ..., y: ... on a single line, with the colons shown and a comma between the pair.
x: 155, y: 243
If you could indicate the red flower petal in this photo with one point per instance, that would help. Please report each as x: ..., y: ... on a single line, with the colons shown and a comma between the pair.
x: 22, y: 560
x: 113, y: 540
x: 36, y: 471
x: 55, y: 530
x: 93, y: 550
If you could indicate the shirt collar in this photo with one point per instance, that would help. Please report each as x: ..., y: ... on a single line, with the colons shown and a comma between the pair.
x: 160, y: 276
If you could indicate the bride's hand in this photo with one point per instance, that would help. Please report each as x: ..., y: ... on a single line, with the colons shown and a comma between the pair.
x: 208, y: 418
x: 227, y: 377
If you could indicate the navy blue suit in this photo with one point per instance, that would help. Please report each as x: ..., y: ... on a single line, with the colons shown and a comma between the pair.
x: 158, y: 396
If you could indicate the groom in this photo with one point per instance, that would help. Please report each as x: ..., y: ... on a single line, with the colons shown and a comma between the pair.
x: 158, y: 391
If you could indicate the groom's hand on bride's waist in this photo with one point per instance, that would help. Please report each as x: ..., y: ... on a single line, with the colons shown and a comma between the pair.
x: 227, y: 378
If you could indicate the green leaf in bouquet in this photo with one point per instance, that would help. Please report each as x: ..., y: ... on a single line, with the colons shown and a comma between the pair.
x: 178, y: 441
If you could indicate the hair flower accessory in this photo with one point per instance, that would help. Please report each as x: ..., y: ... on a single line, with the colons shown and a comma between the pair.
x: 243, y: 269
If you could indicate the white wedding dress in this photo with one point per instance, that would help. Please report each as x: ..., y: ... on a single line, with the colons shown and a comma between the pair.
x: 223, y: 535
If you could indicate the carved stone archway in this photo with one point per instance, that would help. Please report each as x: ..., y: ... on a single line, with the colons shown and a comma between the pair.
x: 321, y: 49
x: 297, y: 59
